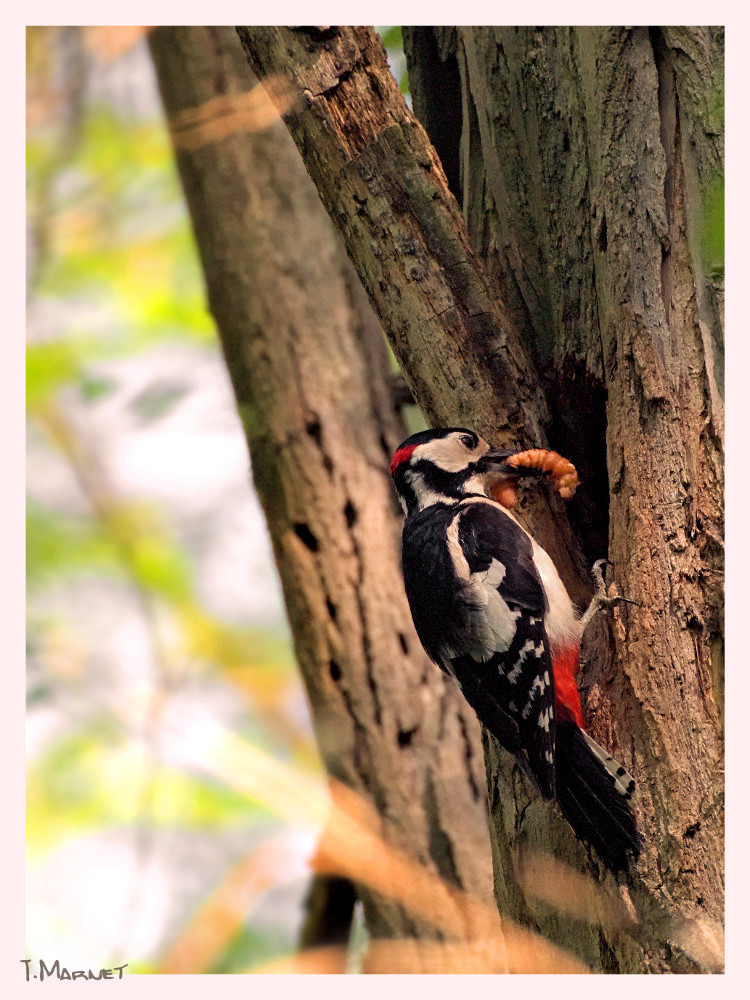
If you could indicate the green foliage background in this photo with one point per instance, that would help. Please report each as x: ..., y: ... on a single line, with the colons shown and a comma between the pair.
x: 109, y: 233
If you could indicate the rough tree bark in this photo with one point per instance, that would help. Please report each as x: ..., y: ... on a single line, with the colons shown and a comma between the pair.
x: 583, y: 157
x: 384, y: 187
x: 581, y: 160
x: 309, y: 368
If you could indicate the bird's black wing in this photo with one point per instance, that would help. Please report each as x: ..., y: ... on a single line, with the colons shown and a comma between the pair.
x: 510, y: 684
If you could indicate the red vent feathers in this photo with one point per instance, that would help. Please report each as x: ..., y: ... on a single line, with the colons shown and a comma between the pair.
x: 567, y: 697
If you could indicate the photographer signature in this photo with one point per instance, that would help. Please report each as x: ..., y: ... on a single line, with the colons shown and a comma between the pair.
x: 56, y: 971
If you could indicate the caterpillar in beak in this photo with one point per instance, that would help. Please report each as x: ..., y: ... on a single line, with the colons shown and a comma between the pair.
x: 562, y: 473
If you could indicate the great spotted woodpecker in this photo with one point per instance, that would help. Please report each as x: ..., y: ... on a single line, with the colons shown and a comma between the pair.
x: 491, y: 610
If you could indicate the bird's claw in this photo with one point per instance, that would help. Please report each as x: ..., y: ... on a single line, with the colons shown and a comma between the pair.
x: 601, y: 600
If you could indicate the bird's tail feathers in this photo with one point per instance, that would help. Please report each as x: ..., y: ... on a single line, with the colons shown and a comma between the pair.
x: 623, y: 782
x: 593, y: 791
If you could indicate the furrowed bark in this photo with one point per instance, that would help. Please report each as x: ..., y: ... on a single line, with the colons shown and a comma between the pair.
x: 587, y: 158
x: 385, y: 190
x: 309, y: 369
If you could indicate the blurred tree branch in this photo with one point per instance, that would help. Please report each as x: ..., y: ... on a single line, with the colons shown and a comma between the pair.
x: 310, y: 372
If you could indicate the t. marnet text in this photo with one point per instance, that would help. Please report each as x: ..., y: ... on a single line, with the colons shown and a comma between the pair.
x: 55, y: 971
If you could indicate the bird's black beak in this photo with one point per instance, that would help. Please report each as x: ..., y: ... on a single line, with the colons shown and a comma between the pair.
x: 494, y: 463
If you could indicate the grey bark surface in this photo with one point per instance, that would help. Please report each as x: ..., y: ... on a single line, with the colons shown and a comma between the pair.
x: 590, y: 323
x: 586, y: 157
x: 310, y: 372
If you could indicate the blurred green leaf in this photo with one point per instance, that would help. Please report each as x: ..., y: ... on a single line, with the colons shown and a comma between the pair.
x: 393, y: 41
x: 49, y: 366
x: 236, y: 645
x: 131, y: 541
x: 391, y: 37
x: 39, y: 694
x: 67, y: 793
x: 189, y: 801
x: 93, y: 388
x: 162, y: 567
x: 141, y: 968
x: 414, y: 419
x: 59, y: 545
x: 96, y: 778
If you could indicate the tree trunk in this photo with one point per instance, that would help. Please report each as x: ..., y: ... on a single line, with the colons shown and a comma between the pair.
x: 582, y: 159
x: 310, y: 371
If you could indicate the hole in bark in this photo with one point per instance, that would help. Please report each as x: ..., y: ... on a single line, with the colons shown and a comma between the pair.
x: 405, y: 737
x: 305, y: 535
x: 579, y: 432
x: 692, y: 830
x: 335, y: 670
x: 315, y: 431
x: 331, y: 608
x: 436, y: 92
x: 350, y: 514
x: 328, y: 464
x: 404, y: 643
x: 320, y: 32
x: 603, y: 233
x: 566, y: 143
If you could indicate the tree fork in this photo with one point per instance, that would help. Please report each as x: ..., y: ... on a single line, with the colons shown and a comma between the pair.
x: 384, y: 188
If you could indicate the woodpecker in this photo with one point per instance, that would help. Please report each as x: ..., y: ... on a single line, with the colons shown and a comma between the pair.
x: 492, y: 612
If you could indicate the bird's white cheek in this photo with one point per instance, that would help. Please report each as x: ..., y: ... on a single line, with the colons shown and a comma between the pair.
x: 475, y: 485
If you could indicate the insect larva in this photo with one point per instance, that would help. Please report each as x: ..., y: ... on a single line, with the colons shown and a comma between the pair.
x: 562, y: 472
x: 505, y: 491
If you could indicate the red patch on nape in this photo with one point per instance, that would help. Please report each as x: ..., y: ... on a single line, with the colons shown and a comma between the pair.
x: 567, y: 697
x: 402, y: 455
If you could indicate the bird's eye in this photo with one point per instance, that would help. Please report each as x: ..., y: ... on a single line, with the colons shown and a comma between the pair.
x: 469, y: 441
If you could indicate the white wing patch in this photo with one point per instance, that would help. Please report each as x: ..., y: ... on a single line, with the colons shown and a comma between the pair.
x: 560, y: 621
x: 493, y: 622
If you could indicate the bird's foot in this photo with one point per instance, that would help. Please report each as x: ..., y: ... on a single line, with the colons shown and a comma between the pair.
x: 601, y: 599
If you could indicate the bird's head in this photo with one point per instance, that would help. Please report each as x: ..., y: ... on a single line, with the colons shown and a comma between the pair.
x: 442, y: 466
